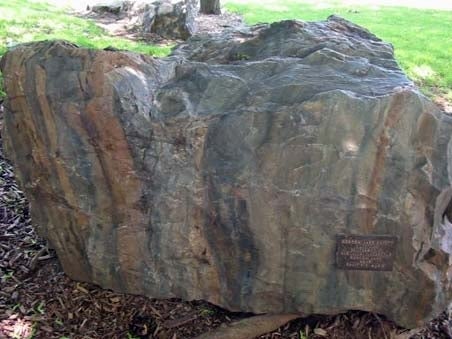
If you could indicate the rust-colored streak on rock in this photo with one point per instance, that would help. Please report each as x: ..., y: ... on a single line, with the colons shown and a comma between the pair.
x: 52, y: 135
x: 392, y: 117
x: 29, y: 101
x: 117, y: 166
x: 211, y: 280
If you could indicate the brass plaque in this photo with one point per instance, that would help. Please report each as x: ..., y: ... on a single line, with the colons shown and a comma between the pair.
x: 365, y: 252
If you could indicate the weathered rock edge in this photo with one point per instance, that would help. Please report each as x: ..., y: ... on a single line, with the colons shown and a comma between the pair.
x: 225, y: 171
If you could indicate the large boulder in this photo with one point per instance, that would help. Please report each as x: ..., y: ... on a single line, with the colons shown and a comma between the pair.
x: 289, y: 167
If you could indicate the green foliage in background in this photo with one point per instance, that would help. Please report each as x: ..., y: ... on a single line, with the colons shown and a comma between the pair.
x: 422, y: 38
x: 26, y: 20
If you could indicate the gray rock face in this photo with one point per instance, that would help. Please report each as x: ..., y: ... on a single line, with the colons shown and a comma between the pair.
x: 112, y: 7
x: 226, y: 171
x: 171, y: 19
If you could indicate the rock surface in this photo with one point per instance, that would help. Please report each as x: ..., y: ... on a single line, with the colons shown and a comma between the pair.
x: 226, y: 171
x: 170, y: 19
x: 112, y: 7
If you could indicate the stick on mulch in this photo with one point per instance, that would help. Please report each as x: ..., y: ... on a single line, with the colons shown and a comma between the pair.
x: 250, y: 327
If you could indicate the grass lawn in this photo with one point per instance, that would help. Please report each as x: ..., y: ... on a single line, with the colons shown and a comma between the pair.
x: 25, y: 20
x: 422, y: 38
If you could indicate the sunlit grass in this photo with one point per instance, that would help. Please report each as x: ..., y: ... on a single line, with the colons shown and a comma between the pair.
x: 24, y: 21
x: 422, y: 38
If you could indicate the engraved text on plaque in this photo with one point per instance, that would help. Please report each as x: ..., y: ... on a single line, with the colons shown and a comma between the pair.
x: 365, y: 252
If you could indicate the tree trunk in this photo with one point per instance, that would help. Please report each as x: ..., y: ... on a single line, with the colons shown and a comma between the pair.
x: 210, y: 7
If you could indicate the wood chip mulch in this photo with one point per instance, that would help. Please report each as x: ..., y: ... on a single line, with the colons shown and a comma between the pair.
x: 37, y: 300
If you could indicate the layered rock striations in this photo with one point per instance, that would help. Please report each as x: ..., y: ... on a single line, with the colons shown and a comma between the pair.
x: 226, y: 171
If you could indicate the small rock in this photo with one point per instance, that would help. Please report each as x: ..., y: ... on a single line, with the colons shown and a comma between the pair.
x: 321, y: 332
x: 168, y: 18
x: 111, y: 7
